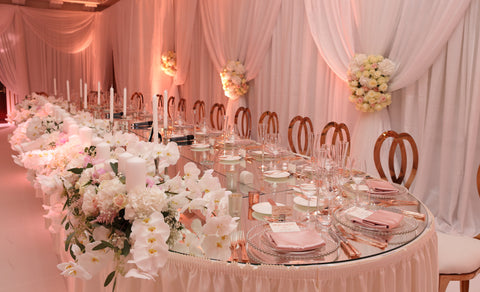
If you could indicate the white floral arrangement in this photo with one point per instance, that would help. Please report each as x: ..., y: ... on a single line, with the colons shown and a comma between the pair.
x: 233, y: 79
x: 169, y: 63
x: 368, y: 78
x: 132, y: 231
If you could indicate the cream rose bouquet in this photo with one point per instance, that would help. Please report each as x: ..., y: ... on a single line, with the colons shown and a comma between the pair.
x: 233, y: 79
x: 169, y: 63
x: 368, y: 78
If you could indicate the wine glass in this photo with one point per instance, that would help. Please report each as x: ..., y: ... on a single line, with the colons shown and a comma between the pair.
x: 358, y: 172
x: 273, y: 145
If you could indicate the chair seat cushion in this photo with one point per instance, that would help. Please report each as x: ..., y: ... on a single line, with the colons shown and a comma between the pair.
x: 457, y: 254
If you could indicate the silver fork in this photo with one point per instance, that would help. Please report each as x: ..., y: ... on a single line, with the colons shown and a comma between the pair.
x: 242, y: 242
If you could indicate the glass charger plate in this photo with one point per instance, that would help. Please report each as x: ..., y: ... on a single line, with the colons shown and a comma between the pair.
x: 349, y: 187
x: 260, y: 245
x: 405, y: 232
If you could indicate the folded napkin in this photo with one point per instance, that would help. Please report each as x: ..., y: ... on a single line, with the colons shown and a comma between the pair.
x: 378, y: 186
x: 303, y: 240
x: 380, y: 219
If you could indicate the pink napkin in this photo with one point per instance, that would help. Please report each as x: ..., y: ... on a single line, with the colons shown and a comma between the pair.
x: 296, y: 240
x: 381, y: 219
x: 379, y: 186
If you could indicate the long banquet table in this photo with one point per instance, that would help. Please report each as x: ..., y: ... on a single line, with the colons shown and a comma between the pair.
x: 408, y: 266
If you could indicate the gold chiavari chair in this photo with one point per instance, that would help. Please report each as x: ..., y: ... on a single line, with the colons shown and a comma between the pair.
x: 137, y: 100
x: 304, y: 131
x: 217, y: 113
x: 272, y: 121
x: 171, y: 107
x: 397, y: 141
x: 244, y: 126
x: 42, y: 93
x: 198, y: 111
x: 340, y: 132
x: 458, y: 257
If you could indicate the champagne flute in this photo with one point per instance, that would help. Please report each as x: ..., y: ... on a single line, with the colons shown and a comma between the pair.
x: 359, y: 171
x: 262, y: 133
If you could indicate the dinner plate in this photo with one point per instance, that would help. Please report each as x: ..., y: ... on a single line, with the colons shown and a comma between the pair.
x: 264, y: 208
x: 200, y: 146
x: 276, y: 174
x: 229, y: 158
x: 350, y: 187
x: 304, y: 202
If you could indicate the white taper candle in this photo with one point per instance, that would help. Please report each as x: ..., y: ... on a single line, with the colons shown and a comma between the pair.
x: 68, y: 91
x: 85, y: 102
x: 98, y: 93
x: 111, y: 105
x: 165, y: 109
x: 125, y: 102
x: 155, y: 118
x: 55, y: 86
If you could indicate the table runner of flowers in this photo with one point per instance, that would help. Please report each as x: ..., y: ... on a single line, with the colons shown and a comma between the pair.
x: 104, y: 224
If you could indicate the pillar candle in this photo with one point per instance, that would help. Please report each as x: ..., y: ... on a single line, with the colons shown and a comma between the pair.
x: 111, y: 105
x: 122, y: 161
x: 103, y: 151
x: 73, y: 129
x: 155, y: 118
x: 85, y: 97
x: 165, y: 109
x: 96, y: 141
x: 98, y: 93
x: 85, y: 134
x: 68, y: 91
x: 135, y: 173
x: 74, y: 139
x: 55, y: 86
x: 125, y: 102
x: 81, y: 86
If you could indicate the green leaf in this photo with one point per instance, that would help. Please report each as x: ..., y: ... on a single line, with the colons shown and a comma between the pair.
x: 72, y: 254
x: 63, y: 220
x: 126, y: 248
x: 67, y: 225
x: 89, y: 165
x: 102, y: 245
x: 109, y: 279
x: 114, y: 166
x: 67, y: 241
x: 77, y: 170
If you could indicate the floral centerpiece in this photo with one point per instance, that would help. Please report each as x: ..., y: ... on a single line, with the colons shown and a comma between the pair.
x: 169, y: 63
x: 107, y: 226
x: 368, y: 78
x: 233, y: 79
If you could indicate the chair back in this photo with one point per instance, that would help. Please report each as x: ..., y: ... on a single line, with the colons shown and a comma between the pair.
x: 398, y: 141
x: 244, y: 127
x: 198, y: 111
x: 171, y: 107
x: 340, y: 131
x: 303, y: 131
x: 137, y: 100
x: 42, y: 93
x: 160, y: 100
x: 478, y: 180
x: 182, y: 105
x: 272, y: 121
x: 217, y: 114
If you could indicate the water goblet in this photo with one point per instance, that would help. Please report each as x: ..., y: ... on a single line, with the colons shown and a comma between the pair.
x: 358, y: 173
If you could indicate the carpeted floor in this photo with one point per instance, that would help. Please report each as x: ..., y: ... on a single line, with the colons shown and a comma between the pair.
x: 27, y: 259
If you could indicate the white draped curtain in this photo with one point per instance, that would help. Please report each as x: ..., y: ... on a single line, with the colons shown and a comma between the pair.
x: 238, y: 30
x: 409, y: 33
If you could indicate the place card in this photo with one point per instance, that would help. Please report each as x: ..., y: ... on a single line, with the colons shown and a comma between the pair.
x: 360, y: 187
x: 359, y: 213
x: 284, y: 227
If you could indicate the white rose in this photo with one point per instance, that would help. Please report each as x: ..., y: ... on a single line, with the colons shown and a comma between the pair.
x: 386, y: 67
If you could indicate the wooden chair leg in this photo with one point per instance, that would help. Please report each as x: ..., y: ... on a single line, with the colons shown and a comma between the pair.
x: 443, y: 283
x: 464, y: 285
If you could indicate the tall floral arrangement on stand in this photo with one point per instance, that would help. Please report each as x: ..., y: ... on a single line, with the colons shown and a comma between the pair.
x: 368, y: 78
x: 169, y: 63
x: 233, y: 79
